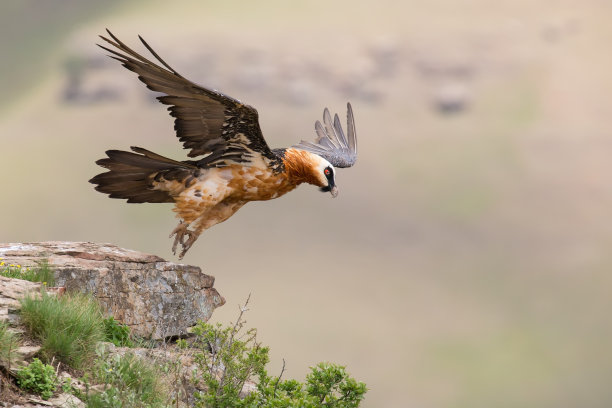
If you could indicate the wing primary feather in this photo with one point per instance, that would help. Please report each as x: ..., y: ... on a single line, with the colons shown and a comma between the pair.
x: 119, y: 44
x: 339, y: 132
x: 329, y: 129
x: 122, y: 57
x: 352, y: 136
x: 158, y: 57
x: 320, y: 131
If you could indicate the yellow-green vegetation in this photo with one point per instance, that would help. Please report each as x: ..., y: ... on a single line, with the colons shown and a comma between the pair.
x: 117, y: 333
x: 42, y: 273
x: 39, y: 378
x: 128, y: 381
x: 9, y: 342
x: 228, y: 358
x: 69, y: 327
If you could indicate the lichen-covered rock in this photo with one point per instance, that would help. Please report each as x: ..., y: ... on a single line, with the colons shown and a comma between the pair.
x: 13, y: 290
x: 154, y: 297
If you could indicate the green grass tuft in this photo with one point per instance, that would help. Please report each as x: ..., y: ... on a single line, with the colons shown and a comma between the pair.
x: 9, y: 342
x: 69, y: 327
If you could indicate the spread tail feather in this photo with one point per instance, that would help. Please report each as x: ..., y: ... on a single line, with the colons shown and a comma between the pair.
x: 130, y: 175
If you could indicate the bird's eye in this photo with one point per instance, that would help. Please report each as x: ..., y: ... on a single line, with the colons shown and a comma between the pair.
x: 327, y: 172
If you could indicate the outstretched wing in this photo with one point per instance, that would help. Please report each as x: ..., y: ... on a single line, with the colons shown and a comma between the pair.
x: 331, y: 143
x: 206, y: 121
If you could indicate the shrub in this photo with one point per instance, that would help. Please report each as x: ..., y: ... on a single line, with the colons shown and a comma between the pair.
x: 128, y: 382
x: 331, y: 386
x: 228, y: 359
x: 117, y: 333
x: 9, y: 342
x: 39, y: 378
x: 41, y: 273
x: 229, y: 364
x: 69, y: 327
x: 327, y: 385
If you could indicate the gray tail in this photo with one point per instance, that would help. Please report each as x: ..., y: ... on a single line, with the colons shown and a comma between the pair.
x: 130, y: 175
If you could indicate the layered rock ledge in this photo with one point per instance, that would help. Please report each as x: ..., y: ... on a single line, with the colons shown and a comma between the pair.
x: 156, y: 298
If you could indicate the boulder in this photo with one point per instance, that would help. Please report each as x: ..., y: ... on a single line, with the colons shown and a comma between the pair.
x: 11, y: 292
x: 155, y: 298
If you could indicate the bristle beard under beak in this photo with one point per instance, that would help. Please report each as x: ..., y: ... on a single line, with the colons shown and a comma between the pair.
x: 333, y: 190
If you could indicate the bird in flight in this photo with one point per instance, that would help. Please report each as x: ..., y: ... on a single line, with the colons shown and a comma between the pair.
x: 232, y: 163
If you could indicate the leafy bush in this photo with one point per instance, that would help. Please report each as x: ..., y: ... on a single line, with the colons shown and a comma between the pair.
x: 117, y: 333
x: 327, y: 385
x: 69, y: 327
x: 128, y: 381
x: 39, y: 378
x: 228, y: 359
x: 331, y: 386
x: 42, y: 273
x: 9, y: 342
x: 229, y: 363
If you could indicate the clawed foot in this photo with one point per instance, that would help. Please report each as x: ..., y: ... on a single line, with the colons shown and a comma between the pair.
x: 184, y: 236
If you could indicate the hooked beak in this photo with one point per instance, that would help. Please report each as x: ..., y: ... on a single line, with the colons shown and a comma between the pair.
x: 334, y: 191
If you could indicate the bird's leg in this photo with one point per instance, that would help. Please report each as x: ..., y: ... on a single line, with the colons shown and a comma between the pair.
x: 179, y: 232
x: 215, y: 215
x: 186, y: 237
x: 186, y: 244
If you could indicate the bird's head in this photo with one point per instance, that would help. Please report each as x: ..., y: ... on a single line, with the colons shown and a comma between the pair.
x: 305, y: 167
x: 326, y: 175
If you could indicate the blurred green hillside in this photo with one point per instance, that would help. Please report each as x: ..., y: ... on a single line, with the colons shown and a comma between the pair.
x: 466, y: 261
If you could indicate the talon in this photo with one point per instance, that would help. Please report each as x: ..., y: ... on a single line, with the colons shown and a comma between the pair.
x: 188, y: 243
x: 191, y: 237
x: 179, y: 232
x: 174, y: 247
x: 185, y: 236
x: 177, y: 229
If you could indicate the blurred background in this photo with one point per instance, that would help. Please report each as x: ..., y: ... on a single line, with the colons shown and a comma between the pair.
x: 466, y: 261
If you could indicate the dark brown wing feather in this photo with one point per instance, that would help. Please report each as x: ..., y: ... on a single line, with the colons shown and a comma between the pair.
x: 207, y: 122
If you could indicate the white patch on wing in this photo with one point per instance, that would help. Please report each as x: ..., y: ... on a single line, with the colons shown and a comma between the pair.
x: 209, y: 186
x: 212, y: 187
x: 247, y: 176
x: 225, y: 174
x: 258, y: 161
